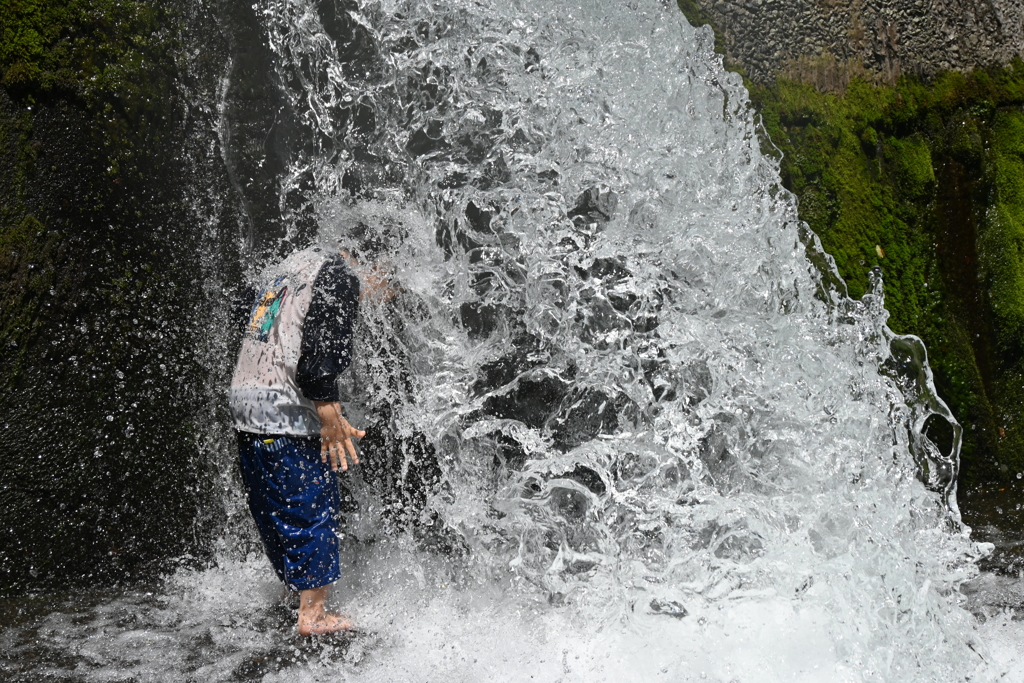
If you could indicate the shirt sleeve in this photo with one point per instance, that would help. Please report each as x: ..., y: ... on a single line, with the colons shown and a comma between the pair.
x: 327, y: 332
x: 241, y: 307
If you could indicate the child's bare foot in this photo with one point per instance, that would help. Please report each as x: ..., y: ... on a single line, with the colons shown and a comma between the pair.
x: 321, y: 622
x: 314, y: 619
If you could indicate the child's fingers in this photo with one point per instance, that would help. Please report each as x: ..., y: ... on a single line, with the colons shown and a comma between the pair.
x: 350, y: 447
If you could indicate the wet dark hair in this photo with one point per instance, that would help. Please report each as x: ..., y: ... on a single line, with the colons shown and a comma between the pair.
x: 370, y: 243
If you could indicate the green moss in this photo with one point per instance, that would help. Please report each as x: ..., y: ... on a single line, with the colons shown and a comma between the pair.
x: 1003, y: 243
x: 910, y: 165
x: 82, y: 46
x: 926, y: 180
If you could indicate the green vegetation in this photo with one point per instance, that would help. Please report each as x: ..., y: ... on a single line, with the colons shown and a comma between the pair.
x: 927, y: 182
x: 90, y: 48
x: 1002, y: 244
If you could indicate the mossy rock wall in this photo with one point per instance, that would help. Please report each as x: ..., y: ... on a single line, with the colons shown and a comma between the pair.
x: 114, y: 230
x: 926, y: 181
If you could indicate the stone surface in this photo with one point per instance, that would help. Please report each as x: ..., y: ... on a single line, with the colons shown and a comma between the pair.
x: 827, y: 42
x: 115, y: 216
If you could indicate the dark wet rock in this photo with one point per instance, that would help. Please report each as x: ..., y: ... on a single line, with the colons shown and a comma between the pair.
x: 532, y: 60
x: 809, y: 40
x: 453, y: 180
x: 586, y: 413
x: 358, y: 50
x: 995, y: 514
x: 596, y: 205
x: 733, y: 542
x: 993, y: 594
x: 531, y: 400
x: 358, y: 120
x: 109, y: 312
x: 480, y: 319
x: 427, y: 139
x: 668, y: 608
x: 404, y: 470
x: 301, y: 209
x: 504, y: 370
x: 435, y: 535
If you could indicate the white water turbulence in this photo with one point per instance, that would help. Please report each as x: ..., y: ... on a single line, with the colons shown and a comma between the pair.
x: 645, y: 401
x: 674, y: 448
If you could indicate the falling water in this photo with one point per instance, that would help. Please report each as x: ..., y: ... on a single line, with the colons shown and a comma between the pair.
x: 660, y: 442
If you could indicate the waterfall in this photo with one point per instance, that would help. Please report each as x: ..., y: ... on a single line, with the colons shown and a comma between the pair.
x: 637, y: 430
x: 642, y: 391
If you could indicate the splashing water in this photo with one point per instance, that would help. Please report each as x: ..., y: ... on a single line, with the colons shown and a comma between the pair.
x: 670, y: 443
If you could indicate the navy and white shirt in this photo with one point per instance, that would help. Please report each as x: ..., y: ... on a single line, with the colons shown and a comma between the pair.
x: 297, y: 343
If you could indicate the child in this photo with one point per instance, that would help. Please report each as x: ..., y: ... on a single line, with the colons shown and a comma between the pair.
x: 292, y: 437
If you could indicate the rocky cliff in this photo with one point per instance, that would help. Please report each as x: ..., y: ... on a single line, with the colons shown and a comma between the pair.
x: 827, y: 42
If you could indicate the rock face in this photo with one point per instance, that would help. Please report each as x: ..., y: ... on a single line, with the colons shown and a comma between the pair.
x: 116, y: 229
x: 826, y: 42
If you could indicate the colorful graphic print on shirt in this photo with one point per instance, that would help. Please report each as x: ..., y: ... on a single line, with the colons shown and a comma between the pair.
x: 266, y: 309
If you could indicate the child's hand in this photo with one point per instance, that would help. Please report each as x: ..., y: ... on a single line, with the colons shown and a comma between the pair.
x: 336, y: 436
